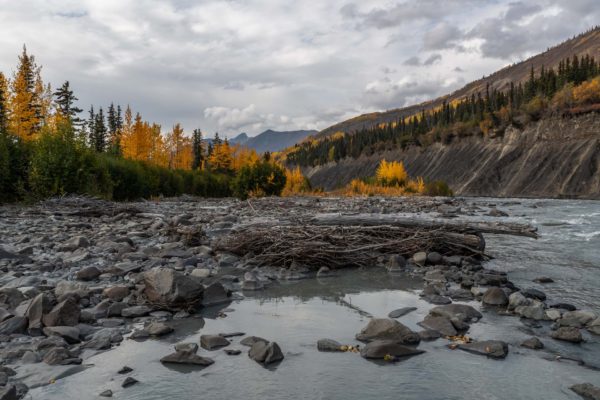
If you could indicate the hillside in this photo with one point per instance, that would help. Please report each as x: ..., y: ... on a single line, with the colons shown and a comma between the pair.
x: 271, y: 140
x: 584, y: 44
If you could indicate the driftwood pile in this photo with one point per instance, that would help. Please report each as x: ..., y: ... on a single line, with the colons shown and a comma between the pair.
x: 356, y: 241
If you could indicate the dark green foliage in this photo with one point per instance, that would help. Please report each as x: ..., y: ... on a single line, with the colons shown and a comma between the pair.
x: 197, y: 149
x: 65, y: 101
x: 438, y: 188
x: 14, y: 168
x: 114, y: 122
x: 260, y: 179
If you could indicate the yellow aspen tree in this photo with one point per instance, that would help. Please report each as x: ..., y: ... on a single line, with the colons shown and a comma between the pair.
x: 126, y: 134
x: 221, y: 159
x: 24, y: 116
x: 180, y: 149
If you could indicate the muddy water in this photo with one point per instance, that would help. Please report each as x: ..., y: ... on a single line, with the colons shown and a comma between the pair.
x: 299, y: 314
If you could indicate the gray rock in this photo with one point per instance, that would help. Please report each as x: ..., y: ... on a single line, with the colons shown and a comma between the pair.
x: 60, y: 356
x: 232, y: 352
x: 66, y: 287
x: 439, y: 324
x: 50, y: 342
x: 188, y: 358
x: 136, y: 311
x: 252, y: 285
x: 461, y: 312
x: 396, y: 263
x: 400, y: 312
x: 265, y: 353
x: 543, y: 279
x: 534, y: 294
x: 12, y: 297
x: 30, y: 357
x: 13, y: 325
x: 65, y: 313
x: 577, y: 318
x: 250, y: 340
x: 387, y: 329
x: 437, y: 299
x: 495, y: 297
x: 125, y: 370
x: 116, y: 293
x: 568, y: 334
x: 428, y: 335
x: 212, y: 342
x: 518, y: 300
x: 553, y: 314
x: 420, y: 258
x: 187, y: 347
x: 41, y: 305
x: 5, y: 314
x: 88, y: 273
x: 594, y: 326
x: 587, y: 391
x: 106, y: 393
x: 9, y: 393
x: 379, y: 349
x: 533, y: 343
x: 328, y: 345
x: 491, y: 348
x: 129, y: 381
x: 215, y: 294
x: 74, y: 243
x: 534, y: 311
x: 158, y: 329
x: 434, y: 258
x: 172, y: 288
x: 200, y: 273
x: 69, y: 333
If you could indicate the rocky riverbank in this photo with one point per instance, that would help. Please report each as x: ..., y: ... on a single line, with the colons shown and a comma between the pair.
x: 79, y: 276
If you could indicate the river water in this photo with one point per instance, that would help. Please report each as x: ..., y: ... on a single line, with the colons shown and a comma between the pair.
x: 297, y: 315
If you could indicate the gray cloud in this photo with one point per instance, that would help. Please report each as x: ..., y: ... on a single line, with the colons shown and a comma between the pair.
x: 416, y: 61
x: 442, y: 36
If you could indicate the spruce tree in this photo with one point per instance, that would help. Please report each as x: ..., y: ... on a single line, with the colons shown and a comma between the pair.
x: 65, y: 102
x: 197, y: 149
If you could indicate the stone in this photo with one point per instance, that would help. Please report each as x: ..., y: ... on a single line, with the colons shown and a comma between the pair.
x: 40, y: 305
x: 114, y: 310
x: 5, y: 314
x: 65, y: 313
x: 250, y: 340
x: 66, y: 287
x: 215, y: 294
x: 568, y: 334
x: 106, y: 393
x: 232, y: 352
x: 396, y: 263
x: 139, y: 334
x: 428, y: 335
x: 462, y: 312
x: 187, y: 347
x: 60, y: 356
x: 543, y: 279
x: 125, y: 370
x: 231, y: 334
x: 534, y: 311
x: 116, y: 293
x: 491, y: 348
x: 533, y: 343
x: 12, y: 297
x: 171, y: 288
x: 266, y: 353
x: 494, y: 212
x: 420, y: 258
x: 52, y: 341
x: 577, y: 318
x: 437, y: 299
x: 594, y: 326
x: 495, y: 297
x: 380, y: 349
x: 553, y: 314
x: 439, y: 324
x: 77, y: 242
x: 434, y: 258
x: 212, y: 342
x: 88, y: 274
x: 30, y: 357
x: 9, y: 393
x: 188, y: 358
x: 158, y: 329
x: 387, y: 329
x: 129, y: 381
x: 532, y: 293
x: 587, y: 391
x: 328, y: 345
x: 200, y: 273
x: 564, y: 306
x: 69, y: 333
x: 13, y: 325
x: 400, y: 312
x: 517, y: 300
x: 135, y: 311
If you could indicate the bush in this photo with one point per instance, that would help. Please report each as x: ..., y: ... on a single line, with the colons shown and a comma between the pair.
x: 535, y: 108
x: 438, y: 188
x: 14, y: 168
x: 261, y: 179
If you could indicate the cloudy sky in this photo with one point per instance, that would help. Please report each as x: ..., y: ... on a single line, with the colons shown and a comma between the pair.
x: 249, y: 65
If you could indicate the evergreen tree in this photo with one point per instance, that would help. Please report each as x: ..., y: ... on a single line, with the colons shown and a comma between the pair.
x: 197, y: 149
x: 3, y: 104
x: 97, y: 131
x: 65, y: 102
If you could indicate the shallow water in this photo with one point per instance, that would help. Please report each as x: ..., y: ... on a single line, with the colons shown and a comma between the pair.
x: 297, y: 315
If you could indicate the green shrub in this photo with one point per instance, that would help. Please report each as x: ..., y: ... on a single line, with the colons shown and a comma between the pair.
x: 438, y: 188
x: 260, y: 179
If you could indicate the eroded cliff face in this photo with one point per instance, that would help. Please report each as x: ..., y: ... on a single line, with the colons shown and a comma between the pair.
x: 555, y: 157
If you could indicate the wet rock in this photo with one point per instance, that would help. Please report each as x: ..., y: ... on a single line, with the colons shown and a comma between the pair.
x: 568, y: 334
x: 231, y: 334
x: 250, y: 340
x: 106, y: 393
x: 543, y: 279
x: 88, y: 273
x: 9, y: 393
x: 577, y: 319
x: 139, y: 334
x: 69, y: 333
x: 136, y: 311
x: 379, y: 349
x: 12, y: 297
x: 215, y: 294
x: 461, y: 312
x: 265, y: 353
x: 125, y: 370
x: 400, y: 312
x: 232, y: 352
x: 158, y: 329
x: 65, y: 313
x: 328, y: 345
x: 517, y: 300
x: 594, y: 326
x: 490, y: 278
x: 13, y: 325
x: 534, y: 294
x: 187, y: 358
x: 114, y: 310
x: 437, y: 299
x: 495, y: 297
x: 30, y: 357
x: 129, y: 381
x: 41, y: 305
x: 50, y: 342
x: 60, y: 356
x: 116, y: 293
x: 420, y: 258
x: 534, y: 311
x: 212, y: 342
x: 5, y: 314
x: 387, y: 329
x: 200, y: 273
x: 251, y: 282
x: 428, y: 335
x: 553, y: 314
x: 491, y: 348
x: 564, y: 306
x: 587, y: 391
x: 533, y: 343
x: 187, y: 347
x: 434, y: 258
x: 74, y: 243
x: 439, y: 324
x: 64, y: 288
x: 171, y: 288
x: 494, y: 212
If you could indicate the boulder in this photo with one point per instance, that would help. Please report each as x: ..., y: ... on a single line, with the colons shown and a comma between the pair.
x: 400, y: 312
x: 534, y: 311
x: 212, y: 342
x: 5, y: 314
x: 328, y: 345
x: 491, y: 348
x: 462, y: 312
x: 64, y: 288
x: 215, y: 294
x: 434, y: 258
x: 439, y: 324
x: 568, y: 334
x: 88, y: 273
x: 187, y: 358
x: 158, y: 329
x: 387, y: 329
x: 428, y: 335
x: 396, y: 263
x: 8, y: 392
x: 517, y: 300
x: 65, y: 313
x: 250, y: 340
x: 265, y: 353
x: 587, y: 391
x: 420, y: 258
x: 533, y: 343
x: 106, y: 393
x: 129, y: 381
x: 41, y: 305
x: 77, y: 242
x: 553, y: 314
x: 60, y: 356
x: 594, y: 326
x: 136, y: 311
x: 69, y: 333
x: 532, y: 293
x: 577, y: 318
x: 380, y: 349
x: 13, y: 325
x: 187, y: 347
x: 12, y: 297
x: 495, y: 297
x: 437, y: 299
x: 171, y: 288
